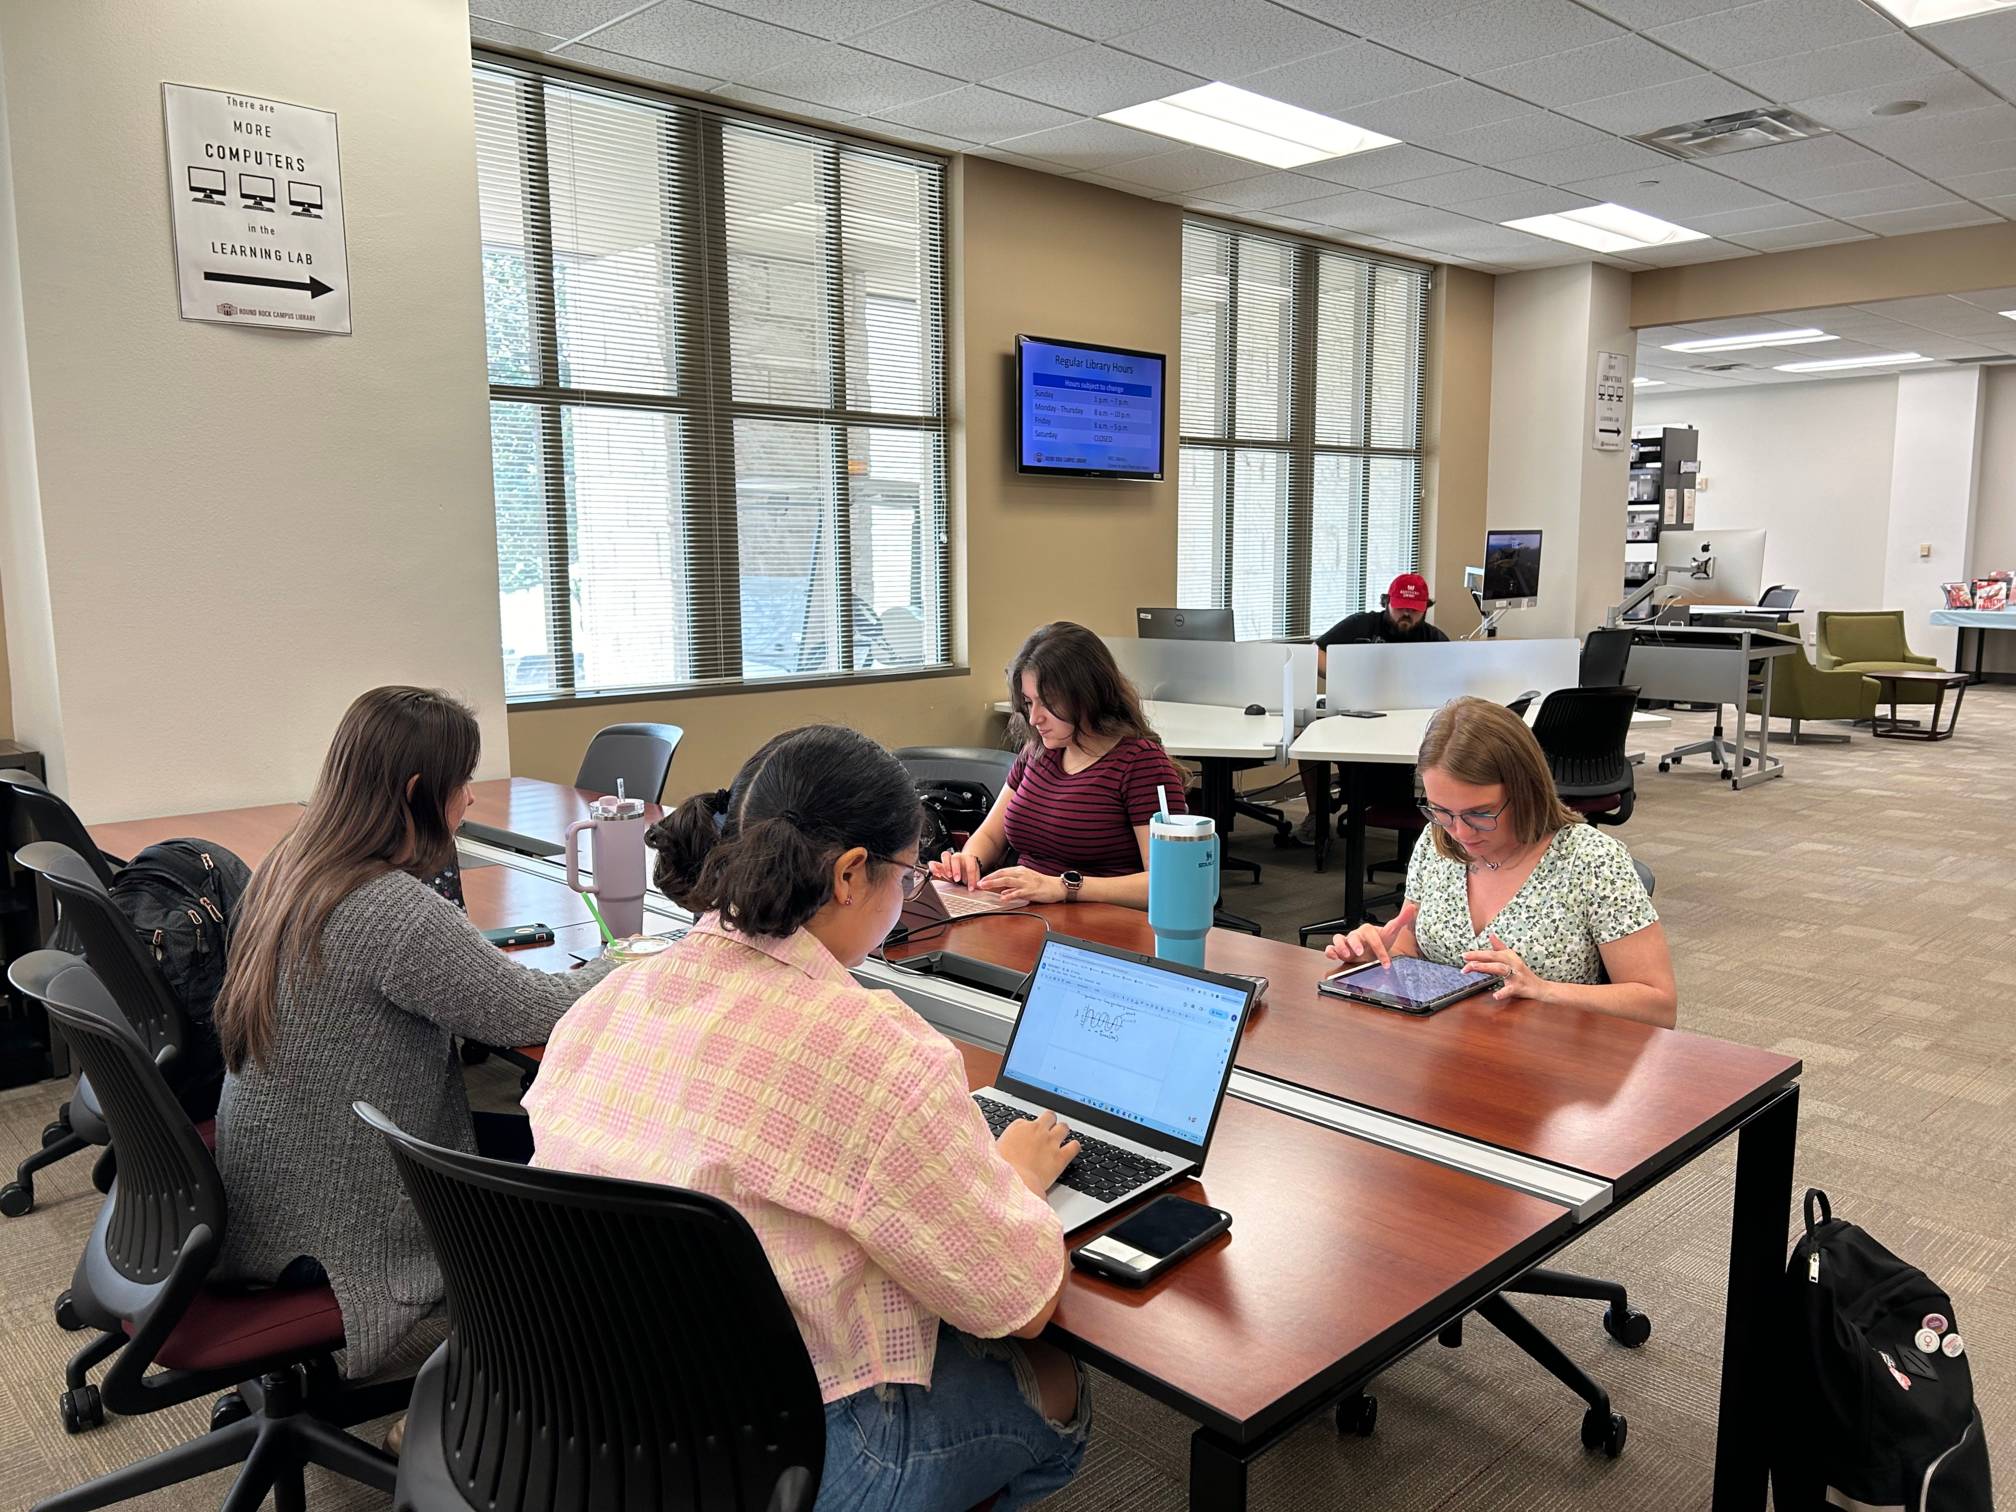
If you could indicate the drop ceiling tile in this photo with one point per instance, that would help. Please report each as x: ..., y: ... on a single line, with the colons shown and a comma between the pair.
x: 483, y: 29
x: 1814, y: 233
x: 1971, y: 157
x: 1092, y: 146
x: 1920, y: 139
x: 1682, y: 253
x: 1499, y: 33
x: 1677, y: 192
x: 1410, y: 223
x: 1506, y: 141
x: 1184, y: 169
x: 1441, y: 110
x: 1769, y: 216
x: 966, y: 39
x: 1097, y: 19
x: 1382, y: 166
x: 1381, y: 20
x: 1567, y: 167
x: 1094, y: 80
x: 1643, y: 15
x: 703, y: 40
x: 1976, y: 40
x: 1538, y: 200
x: 1995, y: 300
x: 641, y: 70
x: 1931, y: 218
x: 1770, y: 29
x: 1270, y: 191
x: 1491, y: 242
x: 1352, y: 206
x: 914, y: 135
x: 1106, y: 181
x: 1941, y: 313
x: 1690, y: 99
x: 1621, y: 64
x: 1940, y: 93
x: 979, y: 114
x: 1223, y: 39
x: 852, y: 79
x: 1996, y: 183
x: 1950, y: 349
x: 1999, y: 76
x: 561, y: 19
x: 832, y: 19
x: 788, y: 105
x: 1003, y: 155
x: 1787, y: 160
x: 1334, y: 81
x: 1871, y: 63
x: 1454, y: 189
x: 1915, y: 195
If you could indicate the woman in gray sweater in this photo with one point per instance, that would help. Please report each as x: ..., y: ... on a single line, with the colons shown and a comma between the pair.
x: 349, y: 979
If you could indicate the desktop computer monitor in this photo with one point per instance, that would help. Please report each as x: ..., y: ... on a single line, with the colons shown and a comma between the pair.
x: 207, y: 184
x: 1711, y: 566
x: 306, y: 198
x: 257, y: 190
x: 1511, y: 569
x: 1184, y: 624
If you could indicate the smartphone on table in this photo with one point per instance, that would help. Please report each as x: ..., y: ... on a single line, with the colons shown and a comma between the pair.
x: 1139, y: 1248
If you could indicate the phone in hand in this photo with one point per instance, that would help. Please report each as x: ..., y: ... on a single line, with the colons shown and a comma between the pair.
x: 1141, y: 1247
x: 513, y: 936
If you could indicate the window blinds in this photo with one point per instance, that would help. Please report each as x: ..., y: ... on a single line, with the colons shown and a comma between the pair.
x: 717, y: 378
x: 1299, y: 481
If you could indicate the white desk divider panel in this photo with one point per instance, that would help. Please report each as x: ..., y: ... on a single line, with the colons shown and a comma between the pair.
x: 1231, y: 674
x: 1426, y: 677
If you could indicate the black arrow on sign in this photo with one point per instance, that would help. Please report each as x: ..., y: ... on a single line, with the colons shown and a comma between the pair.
x: 314, y: 288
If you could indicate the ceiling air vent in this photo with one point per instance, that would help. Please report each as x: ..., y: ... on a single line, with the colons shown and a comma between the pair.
x: 1720, y: 367
x: 1733, y: 133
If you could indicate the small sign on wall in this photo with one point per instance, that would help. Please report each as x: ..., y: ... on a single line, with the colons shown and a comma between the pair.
x: 255, y: 194
x: 1613, y: 383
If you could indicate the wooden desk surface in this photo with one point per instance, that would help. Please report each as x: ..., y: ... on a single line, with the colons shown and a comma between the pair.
x: 1340, y: 1253
x: 529, y: 806
x: 1585, y: 1090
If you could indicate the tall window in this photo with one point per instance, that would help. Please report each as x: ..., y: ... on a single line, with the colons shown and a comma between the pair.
x: 1299, y: 485
x: 717, y: 393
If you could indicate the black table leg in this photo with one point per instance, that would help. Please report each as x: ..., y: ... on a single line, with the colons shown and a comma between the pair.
x: 1217, y: 1473
x: 1748, y: 1420
x: 1219, y: 793
x: 1354, y: 849
x: 1319, y: 807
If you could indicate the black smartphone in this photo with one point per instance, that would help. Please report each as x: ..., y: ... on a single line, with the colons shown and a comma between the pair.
x: 1138, y: 1249
x: 514, y: 935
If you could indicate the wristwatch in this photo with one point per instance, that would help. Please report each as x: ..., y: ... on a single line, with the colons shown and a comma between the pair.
x: 1072, y: 882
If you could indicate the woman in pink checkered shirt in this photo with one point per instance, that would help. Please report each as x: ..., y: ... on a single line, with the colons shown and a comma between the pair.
x: 916, y: 1251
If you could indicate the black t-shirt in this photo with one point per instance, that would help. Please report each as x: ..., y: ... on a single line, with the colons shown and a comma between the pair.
x: 1374, y: 626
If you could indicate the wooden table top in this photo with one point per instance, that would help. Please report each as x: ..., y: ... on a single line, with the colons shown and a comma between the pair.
x: 528, y: 806
x: 1585, y: 1090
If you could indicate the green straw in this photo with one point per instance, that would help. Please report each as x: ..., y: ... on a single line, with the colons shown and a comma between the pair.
x: 589, y: 899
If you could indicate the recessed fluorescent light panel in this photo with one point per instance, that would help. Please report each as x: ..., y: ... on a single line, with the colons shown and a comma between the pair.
x: 2007, y: 314
x: 1836, y: 364
x: 1607, y: 228
x: 1761, y: 339
x: 1251, y: 126
x: 1648, y: 383
x: 1932, y: 12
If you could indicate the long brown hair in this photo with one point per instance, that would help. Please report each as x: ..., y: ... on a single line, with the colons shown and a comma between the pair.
x: 1483, y: 743
x: 360, y: 818
x: 1077, y: 680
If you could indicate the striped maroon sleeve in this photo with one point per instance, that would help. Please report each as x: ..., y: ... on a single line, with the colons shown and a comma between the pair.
x: 1150, y: 769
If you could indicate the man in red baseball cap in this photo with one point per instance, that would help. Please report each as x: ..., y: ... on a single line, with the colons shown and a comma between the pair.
x: 1402, y: 617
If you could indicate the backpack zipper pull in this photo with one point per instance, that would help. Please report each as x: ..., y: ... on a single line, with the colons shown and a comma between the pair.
x: 1813, y: 1266
x: 205, y: 901
x: 158, y: 936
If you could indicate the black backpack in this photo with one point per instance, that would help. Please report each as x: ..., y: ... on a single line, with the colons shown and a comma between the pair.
x: 953, y: 810
x: 1879, y: 1394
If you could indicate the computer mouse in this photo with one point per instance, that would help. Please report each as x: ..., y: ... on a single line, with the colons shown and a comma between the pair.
x: 1255, y: 709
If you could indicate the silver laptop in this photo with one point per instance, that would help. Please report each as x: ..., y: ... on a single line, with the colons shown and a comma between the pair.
x: 1134, y: 1054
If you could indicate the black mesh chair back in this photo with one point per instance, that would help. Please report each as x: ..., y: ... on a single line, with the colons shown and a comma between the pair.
x: 639, y: 754
x: 34, y: 813
x: 1645, y: 875
x: 168, y: 1188
x: 1582, y: 731
x: 111, y: 945
x: 989, y: 768
x: 614, y: 1346
x: 1778, y: 596
x: 1605, y: 653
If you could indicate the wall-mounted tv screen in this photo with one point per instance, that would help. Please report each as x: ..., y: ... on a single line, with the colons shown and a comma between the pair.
x: 1088, y: 411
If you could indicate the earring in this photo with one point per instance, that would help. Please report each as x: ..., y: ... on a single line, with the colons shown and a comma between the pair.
x: 846, y: 902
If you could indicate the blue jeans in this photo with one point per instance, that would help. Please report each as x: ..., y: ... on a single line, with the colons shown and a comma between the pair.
x: 975, y: 1431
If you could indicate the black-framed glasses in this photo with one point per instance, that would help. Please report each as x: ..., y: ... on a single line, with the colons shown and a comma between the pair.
x: 914, y: 876
x: 1481, y: 820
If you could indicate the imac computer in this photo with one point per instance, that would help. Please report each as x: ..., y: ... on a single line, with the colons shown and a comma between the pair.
x: 1184, y: 624
x: 1511, y: 569
x: 257, y: 191
x: 1712, y: 566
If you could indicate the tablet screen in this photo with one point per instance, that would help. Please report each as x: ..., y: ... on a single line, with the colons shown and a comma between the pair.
x: 1410, y: 981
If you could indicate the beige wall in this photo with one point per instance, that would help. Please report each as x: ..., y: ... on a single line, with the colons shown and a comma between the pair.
x: 1895, y: 267
x: 1031, y: 253
x: 1456, y: 434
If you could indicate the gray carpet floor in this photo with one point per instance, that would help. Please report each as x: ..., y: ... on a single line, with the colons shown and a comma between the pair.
x: 1856, y: 914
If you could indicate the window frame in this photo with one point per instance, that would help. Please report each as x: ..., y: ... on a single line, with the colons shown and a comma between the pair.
x: 1300, y: 449
x: 704, y: 400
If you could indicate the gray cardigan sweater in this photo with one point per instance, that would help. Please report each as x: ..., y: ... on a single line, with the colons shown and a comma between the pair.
x: 403, y: 971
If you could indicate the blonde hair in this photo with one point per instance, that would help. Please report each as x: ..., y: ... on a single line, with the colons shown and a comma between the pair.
x: 1483, y: 744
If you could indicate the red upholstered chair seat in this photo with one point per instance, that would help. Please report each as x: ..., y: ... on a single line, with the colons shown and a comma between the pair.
x: 223, y: 1330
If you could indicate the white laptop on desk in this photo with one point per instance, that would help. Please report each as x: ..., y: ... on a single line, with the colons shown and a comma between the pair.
x: 1134, y: 1054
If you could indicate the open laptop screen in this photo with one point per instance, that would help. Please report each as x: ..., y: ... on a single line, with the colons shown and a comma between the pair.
x: 1140, y: 1040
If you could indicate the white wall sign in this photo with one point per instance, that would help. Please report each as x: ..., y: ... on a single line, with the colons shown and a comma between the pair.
x: 1613, y: 382
x: 256, y: 198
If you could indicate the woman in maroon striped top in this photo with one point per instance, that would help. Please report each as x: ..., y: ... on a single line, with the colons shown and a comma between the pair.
x: 1078, y: 799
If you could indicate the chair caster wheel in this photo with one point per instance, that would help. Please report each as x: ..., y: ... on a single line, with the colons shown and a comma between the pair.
x: 66, y: 1313
x: 53, y: 1133
x: 474, y: 1054
x: 1358, y: 1414
x: 228, y: 1409
x: 1665, y: 766
x: 1632, y: 1330
x: 16, y: 1198
x: 81, y: 1409
x: 1605, y: 1431
x: 1451, y: 1336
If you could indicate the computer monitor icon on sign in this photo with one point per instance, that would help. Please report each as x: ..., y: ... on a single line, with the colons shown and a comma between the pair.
x: 257, y: 191
x: 207, y: 184
x: 305, y: 198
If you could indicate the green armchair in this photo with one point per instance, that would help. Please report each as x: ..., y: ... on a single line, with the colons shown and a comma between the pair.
x: 1800, y: 691
x: 1870, y: 640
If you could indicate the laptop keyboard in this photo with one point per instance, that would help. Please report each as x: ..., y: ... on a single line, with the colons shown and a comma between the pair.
x: 1101, y: 1170
x: 958, y: 904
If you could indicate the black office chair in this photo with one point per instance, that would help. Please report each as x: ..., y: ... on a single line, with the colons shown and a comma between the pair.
x: 637, y: 755
x: 958, y: 785
x: 1583, y: 733
x: 1605, y: 654
x: 674, y: 1376
x: 1523, y: 702
x: 1778, y: 596
x: 146, y: 1272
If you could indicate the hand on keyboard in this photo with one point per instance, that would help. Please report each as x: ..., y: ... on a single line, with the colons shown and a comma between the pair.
x: 1101, y: 1170
x: 1038, y: 1148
